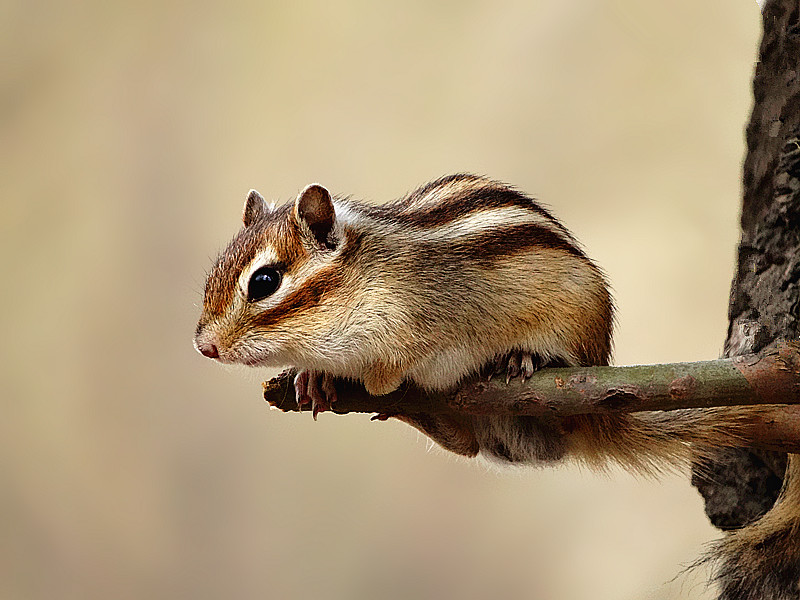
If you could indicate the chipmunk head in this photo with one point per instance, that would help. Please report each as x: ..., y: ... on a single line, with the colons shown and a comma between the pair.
x: 264, y: 301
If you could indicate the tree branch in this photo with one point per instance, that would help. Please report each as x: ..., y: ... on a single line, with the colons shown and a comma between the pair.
x: 769, y: 378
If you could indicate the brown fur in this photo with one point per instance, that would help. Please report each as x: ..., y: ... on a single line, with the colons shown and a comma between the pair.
x: 303, y: 300
x: 461, y: 274
x: 448, y: 197
x: 762, y: 560
x: 432, y: 288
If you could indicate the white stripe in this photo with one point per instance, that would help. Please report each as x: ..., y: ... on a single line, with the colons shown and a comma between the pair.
x: 476, y: 223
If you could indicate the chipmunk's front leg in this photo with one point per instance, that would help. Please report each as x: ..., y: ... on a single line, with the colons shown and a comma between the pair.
x: 315, y: 388
x: 382, y: 378
x: 451, y: 431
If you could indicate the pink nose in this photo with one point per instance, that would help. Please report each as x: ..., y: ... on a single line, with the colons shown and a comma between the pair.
x: 208, y: 350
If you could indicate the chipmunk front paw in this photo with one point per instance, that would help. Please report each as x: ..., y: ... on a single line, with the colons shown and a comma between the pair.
x: 315, y: 388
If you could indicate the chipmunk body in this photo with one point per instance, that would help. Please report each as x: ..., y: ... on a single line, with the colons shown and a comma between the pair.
x: 459, y: 276
x: 462, y: 276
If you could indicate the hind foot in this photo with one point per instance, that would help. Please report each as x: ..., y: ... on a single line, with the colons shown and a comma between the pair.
x: 517, y: 364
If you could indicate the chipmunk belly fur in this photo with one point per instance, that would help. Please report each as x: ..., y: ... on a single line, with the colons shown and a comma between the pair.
x: 458, y: 275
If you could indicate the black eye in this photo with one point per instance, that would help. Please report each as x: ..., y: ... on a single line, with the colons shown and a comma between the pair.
x: 263, y: 283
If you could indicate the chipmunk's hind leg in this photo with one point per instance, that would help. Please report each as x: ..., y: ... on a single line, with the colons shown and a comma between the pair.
x: 452, y: 432
x: 519, y: 363
x: 516, y: 439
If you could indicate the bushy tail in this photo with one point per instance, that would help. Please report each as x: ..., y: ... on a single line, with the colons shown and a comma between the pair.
x: 645, y: 442
x: 758, y: 562
x: 762, y: 561
x: 654, y: 441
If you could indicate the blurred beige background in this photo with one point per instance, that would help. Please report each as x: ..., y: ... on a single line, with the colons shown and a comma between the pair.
x: 133, y: 468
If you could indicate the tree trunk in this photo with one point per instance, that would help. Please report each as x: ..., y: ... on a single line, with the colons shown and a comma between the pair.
x: 765, y: 293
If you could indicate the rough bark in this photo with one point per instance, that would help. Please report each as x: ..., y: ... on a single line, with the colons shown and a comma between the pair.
x: 765, y: 293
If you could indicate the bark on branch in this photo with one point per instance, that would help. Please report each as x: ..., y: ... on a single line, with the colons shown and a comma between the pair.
x: 771, y: 377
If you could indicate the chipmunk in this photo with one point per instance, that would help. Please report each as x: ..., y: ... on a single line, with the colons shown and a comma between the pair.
x: 461, y: 276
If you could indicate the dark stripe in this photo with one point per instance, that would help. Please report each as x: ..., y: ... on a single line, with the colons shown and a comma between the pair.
x: 500, y: 243
x: 309, y: 295
x: 458, y: 202
x: 443, y: 181
x: 320, y: 286
x: 223, y: 279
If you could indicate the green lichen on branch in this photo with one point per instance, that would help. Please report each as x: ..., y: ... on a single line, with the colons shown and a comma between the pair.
x: 769, y: 378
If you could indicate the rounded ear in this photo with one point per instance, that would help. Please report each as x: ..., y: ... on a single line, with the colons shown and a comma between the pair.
x: 314, y: 209
x: 255, y: 207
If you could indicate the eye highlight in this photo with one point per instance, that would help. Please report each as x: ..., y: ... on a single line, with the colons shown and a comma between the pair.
x: 264, y: 282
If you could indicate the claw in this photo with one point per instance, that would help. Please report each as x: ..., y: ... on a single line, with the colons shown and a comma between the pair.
x: 500, y: 363
x: 319, y: 401
x: 329, y: 389
x: 495, y: 367
x: 513, y: 368
x: 301, y: 388
x: 527, y: 367
x: 517, y: 363
x: 315, y: 388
